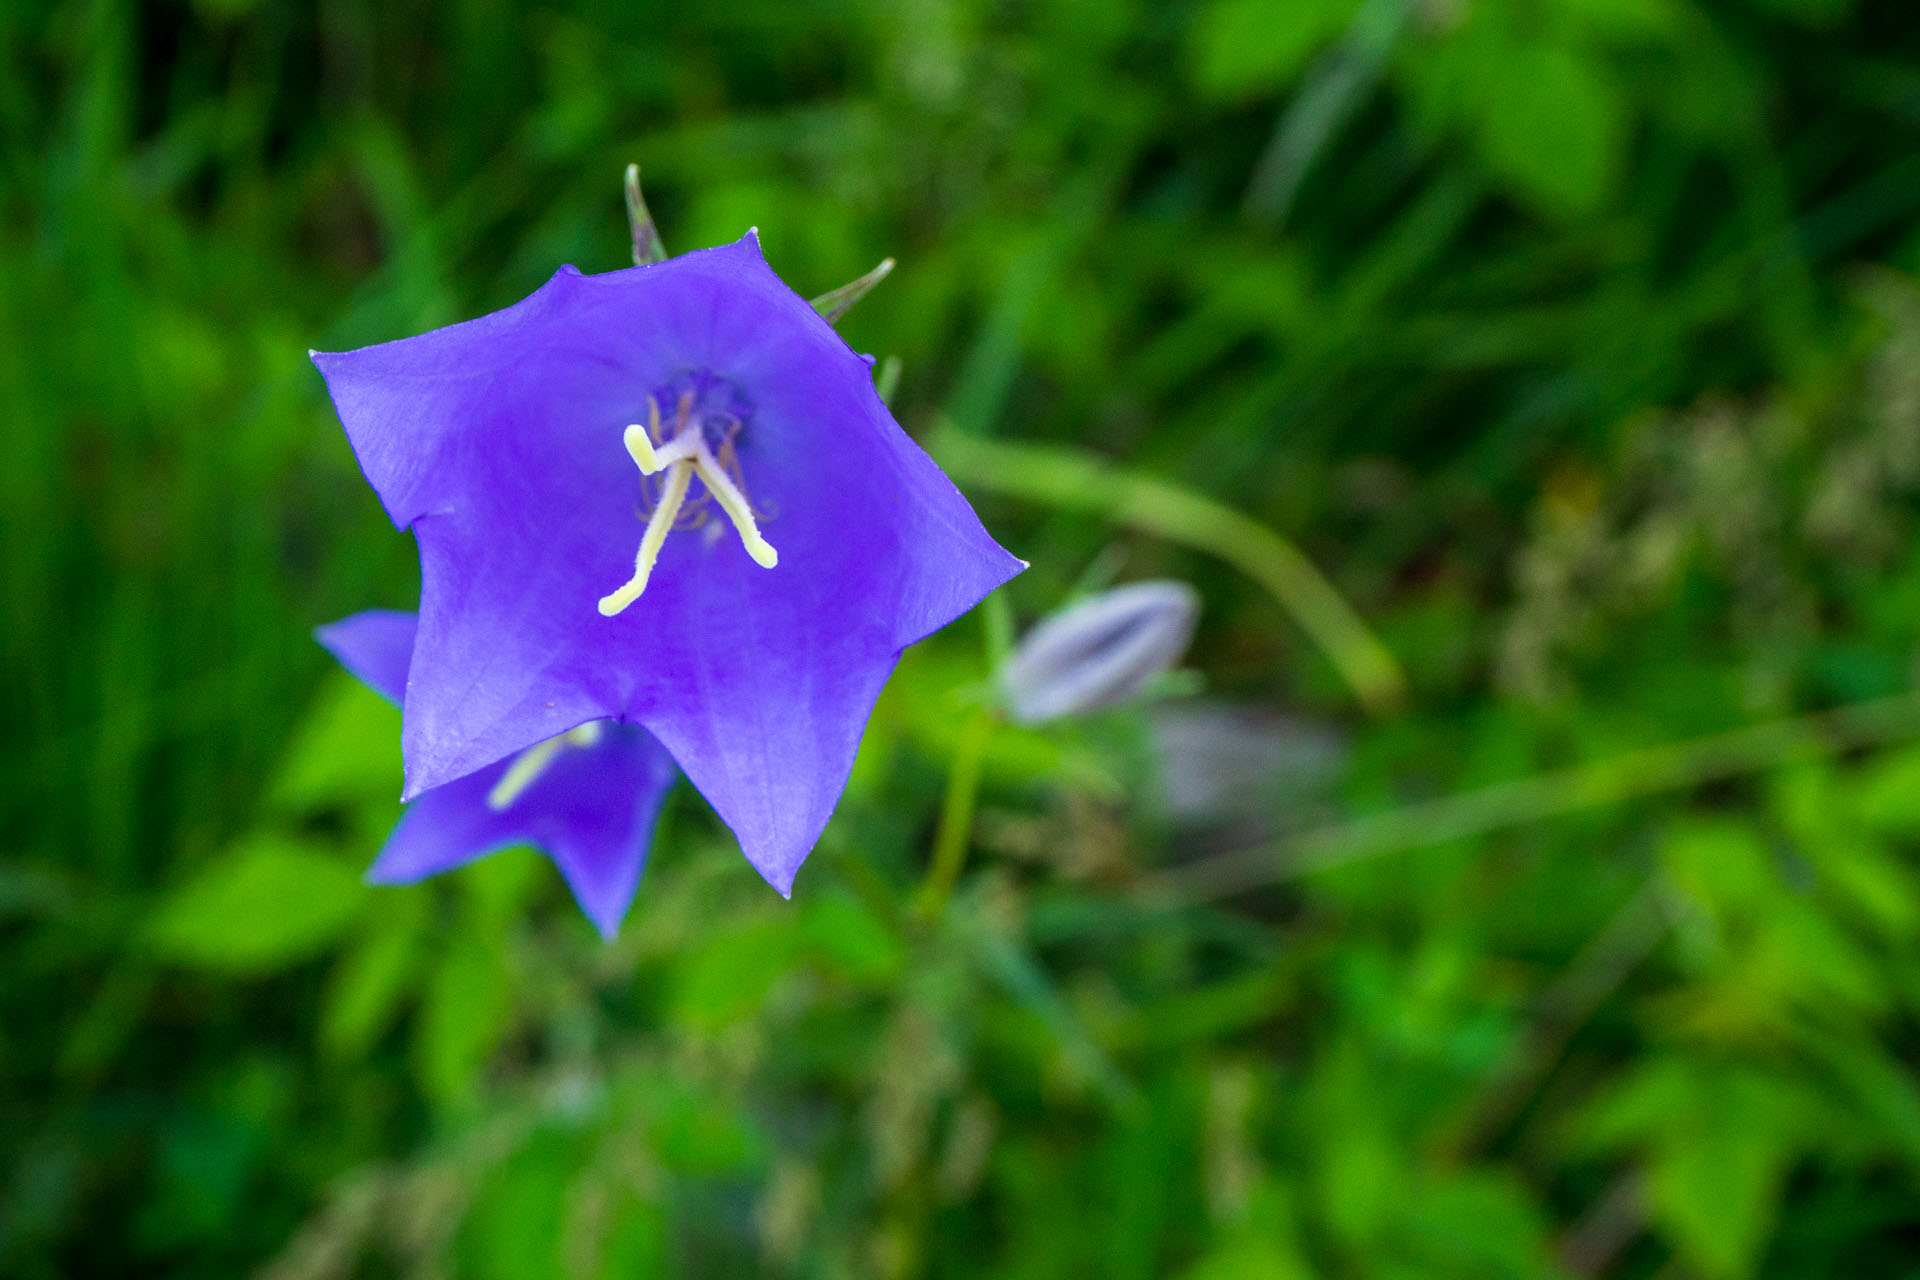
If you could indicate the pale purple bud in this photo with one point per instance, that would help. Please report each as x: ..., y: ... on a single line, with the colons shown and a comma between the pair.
x: 1100, y: 651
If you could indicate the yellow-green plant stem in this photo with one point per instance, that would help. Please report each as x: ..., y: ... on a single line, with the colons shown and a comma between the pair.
x: 1667, y: 767
x: 1074, y: 479
x: 955, y: 832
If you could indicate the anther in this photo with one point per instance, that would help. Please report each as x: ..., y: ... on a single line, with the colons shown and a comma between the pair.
x: 682, y: 457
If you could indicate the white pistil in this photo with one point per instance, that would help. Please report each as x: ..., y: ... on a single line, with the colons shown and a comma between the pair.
x: 658, y: 526
x: 682, y: 457
x: 649, y: 458
x: 531, y: 763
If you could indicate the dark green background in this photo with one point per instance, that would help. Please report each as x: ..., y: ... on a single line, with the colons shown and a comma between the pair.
x: 1577, y: 342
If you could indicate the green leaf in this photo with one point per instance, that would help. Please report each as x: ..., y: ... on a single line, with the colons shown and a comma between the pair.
x: 1665, y: 19
x: 1813, y: 13
x: 468, y: 1011
x: 1245, y: 47
x: 1723, y: 865
x: 347, y: 751
x: 1250, y: 1260
x: 1888, y: 792
x: 516, y: 1227
x: 728, y: 977
x: 1715, y: 1190
x: 1717, y: 1139
x: 267, y: 904
x: 851, y: 939
x: 373, y: 977
x: 1477, y: 1224
x: 1551, y: 125
x: 701, y: 1130
x: 1853, y: 863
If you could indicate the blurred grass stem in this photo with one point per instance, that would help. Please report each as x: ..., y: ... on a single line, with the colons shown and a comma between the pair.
x: 1333, y: 90
x: 1667, y: 767
x: 1071, y: 479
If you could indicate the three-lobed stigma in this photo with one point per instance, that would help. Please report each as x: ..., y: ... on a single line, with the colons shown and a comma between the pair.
x: 684, y: 454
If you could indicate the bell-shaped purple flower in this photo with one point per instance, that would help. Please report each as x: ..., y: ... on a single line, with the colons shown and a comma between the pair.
x: 587, y: 798
x: 666, y: 496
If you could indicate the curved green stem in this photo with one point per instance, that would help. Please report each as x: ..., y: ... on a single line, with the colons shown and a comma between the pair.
x: 1073, y: 479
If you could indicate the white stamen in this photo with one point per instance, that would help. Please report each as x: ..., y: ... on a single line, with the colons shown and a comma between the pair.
x: 650, y: 459
x: 734, y: 503
x: 686, y: 454
x: 531, y: 763
x: 679, y: 474
x: 648, y: 456
x: 526, y: 767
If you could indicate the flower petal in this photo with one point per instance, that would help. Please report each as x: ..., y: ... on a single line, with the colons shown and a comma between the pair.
x: 592, y: 811
x: 375, y: 646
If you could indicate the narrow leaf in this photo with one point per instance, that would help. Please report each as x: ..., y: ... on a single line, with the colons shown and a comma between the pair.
x: 837, y: 302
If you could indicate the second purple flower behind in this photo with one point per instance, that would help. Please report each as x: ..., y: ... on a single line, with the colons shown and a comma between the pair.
x: 587, y: 799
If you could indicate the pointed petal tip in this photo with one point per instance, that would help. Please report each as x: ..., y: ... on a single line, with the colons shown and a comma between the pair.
x: 606, y: 910
x: 378, y: 876
x: 781, y: 879
x: 375, y: 646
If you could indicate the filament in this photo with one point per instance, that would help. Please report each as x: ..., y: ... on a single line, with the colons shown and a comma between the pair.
x: 735, y: 504
x: 520, y: 775
x: 531, y: 763
x: 658, y: 525
x: 683, y: 455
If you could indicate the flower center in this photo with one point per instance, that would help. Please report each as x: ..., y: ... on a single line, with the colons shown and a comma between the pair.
x: 699, y: 441
x: 531, y: 763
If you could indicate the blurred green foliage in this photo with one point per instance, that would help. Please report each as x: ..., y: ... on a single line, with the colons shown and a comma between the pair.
x: 1575, y: 341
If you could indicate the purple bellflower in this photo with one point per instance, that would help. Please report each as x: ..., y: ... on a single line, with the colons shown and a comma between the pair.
x: 791, y: 539
x: 587, y: 799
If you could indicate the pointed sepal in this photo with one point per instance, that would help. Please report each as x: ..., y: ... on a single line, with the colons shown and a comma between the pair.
x: 837, y: 302
x: 647, y: 245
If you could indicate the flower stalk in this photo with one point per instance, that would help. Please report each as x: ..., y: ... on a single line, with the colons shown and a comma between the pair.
x: 954, y: 835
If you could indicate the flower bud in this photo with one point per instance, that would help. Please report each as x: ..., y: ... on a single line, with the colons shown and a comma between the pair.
x: 1100, y: 651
